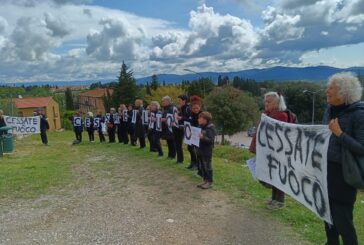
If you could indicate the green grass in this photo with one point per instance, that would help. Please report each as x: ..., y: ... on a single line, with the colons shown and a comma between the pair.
x: 34, y: 170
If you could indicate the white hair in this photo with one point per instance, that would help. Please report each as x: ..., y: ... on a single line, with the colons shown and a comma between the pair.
x: 279, y: 99
x: 156, y: 104
x: 167, y: 98
x: 350, y: 89
x: 90, y: 114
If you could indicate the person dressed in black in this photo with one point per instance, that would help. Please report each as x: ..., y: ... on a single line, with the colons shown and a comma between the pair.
x: 204, y: 153
x: 139, y: 126
x: 155, y: 134
x: 167, y: 128
x: 2, y: 121
x: 99, y: 128
x: 111, y: 126
x: 78, y: 127
x: 131, y: 125
x: 345, y: 117
x: 123, y: 124
x: 89, y: 124
x: 44, y: 126
x: 178, y: 129
x: 195, y: 104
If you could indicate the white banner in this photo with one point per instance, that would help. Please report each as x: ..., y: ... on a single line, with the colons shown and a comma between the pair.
x: 158, y: 121
x: 125, y: 115
x: 77, y: 121
x: 191, y: 134
x: 151, y: 120
x: 116, y: 118
x: 134, y: 118
x: 23, y: 125
x: 293, y: 158
x: 145, y: 117
x: 97, y: 122
x: 88, y: 122
x: 170, y: 119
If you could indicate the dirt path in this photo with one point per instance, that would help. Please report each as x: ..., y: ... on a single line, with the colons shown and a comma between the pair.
x: 135, y: 202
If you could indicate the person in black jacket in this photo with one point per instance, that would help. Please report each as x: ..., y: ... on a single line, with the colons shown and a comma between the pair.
x: 99, y: 129
x: 89, y: 124
x: 345, y: 116
x: 78, y: 127
x: 167, y: 130
x: 111, y: 126
x: 131, y: 125
x: 139, y: 127
x: 2, y: 120
x: 193, y: 119
x: 155, y: 135
x: 123, y: 124
x: 44, y: 126
x: 204, y: 153
x: 178, y: 129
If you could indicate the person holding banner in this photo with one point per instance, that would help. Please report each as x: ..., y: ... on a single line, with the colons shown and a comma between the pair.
x: 345, y: 117
x: 204, y: 153
x: 89, y: 123
x: 123, y: 130
x: 178, y: 131
x: 139, y: 127
x: 275, y: 107
x: 167, y: 130
x: 153, y: 127
x: 111, y: 126
x: 101, y: 121
x: 2, y: 121
x: 195, y: 104
x: 131, y: 125
x: 78, y: 127
x: 44, y: 126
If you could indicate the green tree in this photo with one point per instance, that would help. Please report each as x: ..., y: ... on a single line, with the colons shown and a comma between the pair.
x: 201, y: 88
x: 232, y: 110
x: 108, y: 100
x: 125, y: 91
x: 154, y: 83
x: 148, y: 89
x: 69, y: 100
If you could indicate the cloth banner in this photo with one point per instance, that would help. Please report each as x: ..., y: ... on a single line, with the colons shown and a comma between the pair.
x: 125, y: 115
x: 191, y: 134
x: 293, y: 158
x: 116, y: 118
x: 170, y: 120
x: 151, y: 122
x: 134, y: 117
x: 158, y: 122
x: 23, y: 125
x: 88, y: 122
x: 77, y: 121
x: 107, y: 117
x: 145, y: 116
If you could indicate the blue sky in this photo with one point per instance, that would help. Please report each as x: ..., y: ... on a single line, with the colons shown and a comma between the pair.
x: 47, y: 40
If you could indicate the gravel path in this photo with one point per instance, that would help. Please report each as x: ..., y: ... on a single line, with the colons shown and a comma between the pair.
x: 135, y: 202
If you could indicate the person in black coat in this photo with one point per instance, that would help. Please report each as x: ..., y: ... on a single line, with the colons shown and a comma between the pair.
x: 193, y: 119
x: 99, y: 128
x: 78, y: 126
x: 345, y: 117
x: 89, y: 124
x: 167, y: 130
x: 131, y: 125
x: 204, y: 153
x: 154, y: 134
x: 178, y: 129
x: 139, y: 127
x: 2, y: 121
x: 111, y: 126
x: 44, y: 126
x: 123, y: 124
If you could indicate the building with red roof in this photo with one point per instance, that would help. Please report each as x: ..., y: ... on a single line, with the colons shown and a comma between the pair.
x: 93, y: 100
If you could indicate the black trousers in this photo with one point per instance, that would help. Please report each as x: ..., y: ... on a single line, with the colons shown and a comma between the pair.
x: 141, y: 141
x: 150, y: 139
x: 124, y: 133
x: 111, y: 133
x: 101, y: 136
x: 171, y: 148
x: 156, y: 142
x: 193, y: 154
x: 78, y: 134
x: 91, y: 136
x: 178, y: 140
x: 118, y: 132
x: 43, y: 136
x: 205, y: 167
x: 342, y: 217
x: 277, y: 194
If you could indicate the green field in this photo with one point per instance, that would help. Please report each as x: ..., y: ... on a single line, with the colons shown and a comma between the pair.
x: 34, y: 169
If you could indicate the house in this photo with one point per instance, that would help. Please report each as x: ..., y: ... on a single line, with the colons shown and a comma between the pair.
x: 27, y: 106
x: 93, y: 100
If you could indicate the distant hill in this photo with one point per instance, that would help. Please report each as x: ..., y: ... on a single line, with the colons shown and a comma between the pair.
x: 278, y: 74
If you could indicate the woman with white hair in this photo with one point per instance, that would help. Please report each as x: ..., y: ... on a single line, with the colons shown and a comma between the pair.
x: 345, y: 117
x: 89, y: 123
x: 275, y: 107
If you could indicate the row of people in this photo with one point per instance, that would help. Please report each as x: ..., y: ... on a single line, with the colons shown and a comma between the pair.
x: 134, y: 123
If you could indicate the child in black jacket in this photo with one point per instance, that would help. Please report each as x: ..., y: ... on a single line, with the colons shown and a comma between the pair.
x: 204, y: 153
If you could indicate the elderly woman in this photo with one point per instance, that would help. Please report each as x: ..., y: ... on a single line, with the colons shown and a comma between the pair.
x: 345, y: 116
x: 275, y: 107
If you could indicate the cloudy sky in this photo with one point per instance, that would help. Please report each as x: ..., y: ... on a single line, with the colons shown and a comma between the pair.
x: 47, y: 40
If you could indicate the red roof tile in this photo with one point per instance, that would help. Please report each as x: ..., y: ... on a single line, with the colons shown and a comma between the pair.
x: 32, y: 102
x: 98, y: 93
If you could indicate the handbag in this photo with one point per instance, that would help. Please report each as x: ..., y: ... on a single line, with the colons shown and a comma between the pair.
x: 353, y: 168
